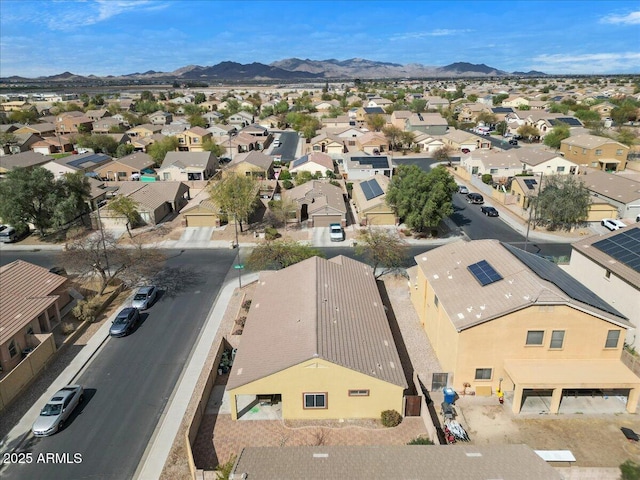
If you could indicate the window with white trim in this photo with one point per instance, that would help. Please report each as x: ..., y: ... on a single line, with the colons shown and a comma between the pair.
x: 557, y: 339
x: 358, y: 393
x: 535, y: 337
x: 483, y: 373
x: 613, y: 336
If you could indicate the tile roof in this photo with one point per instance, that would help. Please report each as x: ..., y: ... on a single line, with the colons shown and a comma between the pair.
x: 26, y: 292
x: 138, y: 160
x: 318, y: 196
x: 253, y: 157
x: 24, y: 159
x: 328, y: 309
x: 187, y: 159
x: 360, y: 198
x: 590, y: 141
x: 319, y: 158
x: 614, y: 186
x: 446, y: 270
x: 399, y: 462
x: 151, y: 195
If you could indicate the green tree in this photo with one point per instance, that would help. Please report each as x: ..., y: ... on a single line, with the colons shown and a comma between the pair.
x: 375, y: 122
x: 192, y: 109
x: 285, y: 174
x: 528, y: 132
x: 393, y: 135
x: 123, y: 150
x: 421, y: 199
x: 625, y: 112
x: 303, y: 177
x: 128, y: 208
x: 147, y: 107
x: 24, y: 116
x: 563, y: 202
x: 554, y: 137
x: 199, y: 98
x: 559, y: 108
x: 487, y: 118
x: 7, y: 138
x: 158, y: 150
x: 501, y: 127
x: 498, y: 99
x: 472, y: 98
x: 34, y: 196
x: 236, y: 196
x: 73, y: 191
x: 280, y: 254
x: 210, y: 145
x: 381, y: 248
x: 588, y: 117
x: 407, y: 138
x: 442, y: 154
x: 418, y: 105
x: 98, y: 143
x: 197, y: 120
x: 626, y: 136
x: 146, y: 95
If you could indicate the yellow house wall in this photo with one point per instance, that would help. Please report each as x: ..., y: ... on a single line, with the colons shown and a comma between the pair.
x: 488, y: 344
x: 319, y: 376
x: 590, y: 159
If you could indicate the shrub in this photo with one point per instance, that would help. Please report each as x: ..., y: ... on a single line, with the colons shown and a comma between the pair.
x: 67, y: 327
x: 487, y: 178
x: 287, y: 184
x: 420, y: 441
x: 87, y: 310
x: 241, y: 321
x: 237, y: 331
x: 630, y: 470
x: 391, y: 418
x: 271, y: 233
x: 246, y: 304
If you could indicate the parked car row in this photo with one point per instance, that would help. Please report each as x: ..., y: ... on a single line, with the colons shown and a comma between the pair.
x: 128, y: 317
x: 477, y: 199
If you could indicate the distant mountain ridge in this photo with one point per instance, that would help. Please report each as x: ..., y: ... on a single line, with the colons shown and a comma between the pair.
x: 291, y: 69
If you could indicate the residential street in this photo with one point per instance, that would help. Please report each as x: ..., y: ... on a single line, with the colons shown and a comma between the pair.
x: 130, y: 380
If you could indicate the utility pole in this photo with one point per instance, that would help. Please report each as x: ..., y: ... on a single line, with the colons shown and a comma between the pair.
x: 526, y: 238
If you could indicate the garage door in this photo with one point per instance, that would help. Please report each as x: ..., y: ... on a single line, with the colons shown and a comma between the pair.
x: 200, y: 220
x: 325, y: 220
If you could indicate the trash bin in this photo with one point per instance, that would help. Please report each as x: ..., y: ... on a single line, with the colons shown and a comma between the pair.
x: 449, y: 395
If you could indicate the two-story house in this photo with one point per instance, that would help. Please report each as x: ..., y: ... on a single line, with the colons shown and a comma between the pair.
x: 192, y: 140
x: 595, y: 152
x: 185, y: 166
x: 500, y: 317
x: 73, y: 122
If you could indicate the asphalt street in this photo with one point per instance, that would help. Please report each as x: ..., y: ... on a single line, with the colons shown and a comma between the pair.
x: 287, y: 149
x: 130, y: 380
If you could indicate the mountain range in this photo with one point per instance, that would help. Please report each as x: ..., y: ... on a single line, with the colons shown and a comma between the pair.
x: 295, y: 69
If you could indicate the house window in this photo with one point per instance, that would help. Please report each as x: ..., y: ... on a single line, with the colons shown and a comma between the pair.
x: 483, y: 373
x: 493, y: 171
x: 435, y: 301
x: 598, y: 152
x: 594, y: 164
x: 474, y: 170
x: 560, y: 169
x: 584, y: 151
x: 166, y: 176
x: 315, y: 400
x: 612, y: 339
x: 535, y: 337
x: 13, y: 351
x: 352, y: 143
x: 619, y: 152
x: 30, y: 330
x: 358, y: 393
x: 607, y: 274
x: 195, y: 140
x: 557, y: 339
x: 316, y: 148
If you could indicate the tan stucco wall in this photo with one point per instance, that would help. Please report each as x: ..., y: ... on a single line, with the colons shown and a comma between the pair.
x: 318, y: 376
x: 590, y: 159
x: 619, y: 294
x: 488, y: 344
x: 600, y: 211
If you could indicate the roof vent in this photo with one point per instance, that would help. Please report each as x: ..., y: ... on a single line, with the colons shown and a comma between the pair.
x: 435, y: 276
x: 320, y: 455
x: 507, y: 295
x: 469, y: 309
x: 460, y: 316
x: 482, y: 307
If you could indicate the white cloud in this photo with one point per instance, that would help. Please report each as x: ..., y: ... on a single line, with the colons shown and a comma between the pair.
x: 587, y: 63
x: 632, y: 18
x: 75, y: 15
x: 441, y: 32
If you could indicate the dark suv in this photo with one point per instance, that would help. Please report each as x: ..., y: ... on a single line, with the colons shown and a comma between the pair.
x: 475, y: 198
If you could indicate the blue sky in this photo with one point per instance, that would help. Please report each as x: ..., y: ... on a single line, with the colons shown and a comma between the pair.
x: 113, y: 37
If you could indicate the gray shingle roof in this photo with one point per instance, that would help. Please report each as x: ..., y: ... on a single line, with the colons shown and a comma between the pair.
x: 329, y: 309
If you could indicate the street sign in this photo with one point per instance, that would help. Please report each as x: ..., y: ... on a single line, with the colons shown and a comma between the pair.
x: 238, y: 267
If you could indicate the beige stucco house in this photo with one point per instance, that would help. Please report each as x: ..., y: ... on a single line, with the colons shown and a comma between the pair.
x: 318, y: 341
x: 498, y: 316
x: 369, y: 197
x: 595, y: 152
x: 186, y: 166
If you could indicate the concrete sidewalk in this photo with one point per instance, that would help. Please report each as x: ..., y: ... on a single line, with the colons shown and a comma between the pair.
x: 157, y: 451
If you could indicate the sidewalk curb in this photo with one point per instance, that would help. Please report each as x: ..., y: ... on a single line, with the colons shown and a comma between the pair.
x: 17, y: 435
x: 155, y: 455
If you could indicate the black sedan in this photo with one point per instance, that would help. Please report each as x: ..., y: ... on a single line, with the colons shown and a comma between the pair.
x: 489, y: 211
x: 124, y: 322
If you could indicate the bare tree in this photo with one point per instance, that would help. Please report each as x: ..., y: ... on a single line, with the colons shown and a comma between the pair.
x: 382, y: 249
x: 100, y: 255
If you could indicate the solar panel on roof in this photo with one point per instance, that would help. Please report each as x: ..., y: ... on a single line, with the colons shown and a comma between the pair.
x: 530, y: 183
x: 485, y: 274
x: 551, y: 272
x: 371, y: 189
x: 572, y: 122
x: 299, y: 161
x: 375, y: 161
x: 624, y: 247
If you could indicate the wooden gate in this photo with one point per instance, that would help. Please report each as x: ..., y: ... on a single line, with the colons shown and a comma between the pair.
x: 412, y: 405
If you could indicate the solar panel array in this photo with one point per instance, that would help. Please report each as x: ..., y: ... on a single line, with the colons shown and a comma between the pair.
x: 485, y: 274
x: 299, y: 161
x: 94, y: 158
x: 371, y: 189
x: 624, y: 247
x: 572, y: 122
x: 375, y: 161
x: 530, y: 183
x: 551, y: 272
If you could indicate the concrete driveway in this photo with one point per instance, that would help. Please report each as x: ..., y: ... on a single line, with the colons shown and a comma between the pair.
x: 197, y: 236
